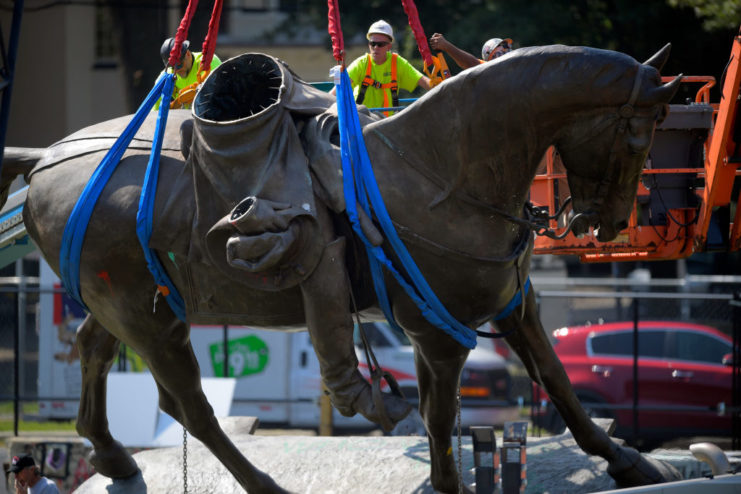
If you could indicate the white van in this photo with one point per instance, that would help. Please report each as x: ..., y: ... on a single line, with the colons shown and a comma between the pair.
x: 277, y: 372
x: 278, y: 375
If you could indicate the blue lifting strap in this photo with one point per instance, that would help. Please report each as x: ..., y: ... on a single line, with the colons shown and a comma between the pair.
x: 515, y: 302
x: 76, y: 227
x: 358, y: 176
x: 360, y: 188
x: 145, y: 214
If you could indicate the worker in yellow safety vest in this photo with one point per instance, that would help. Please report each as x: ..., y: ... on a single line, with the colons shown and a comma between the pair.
x: 377, y: 76
x: 492, y: 49
x: 186, y: 70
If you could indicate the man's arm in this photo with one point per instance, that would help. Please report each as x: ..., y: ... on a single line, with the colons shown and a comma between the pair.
x: 355, y: 72
x: 424, y: 83
x: 464, y: 59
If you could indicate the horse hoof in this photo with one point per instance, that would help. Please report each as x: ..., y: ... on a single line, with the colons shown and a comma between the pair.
x: 395, y: 409
x: 113, y: 462
x: 267, y: 486
x: 631, y: 469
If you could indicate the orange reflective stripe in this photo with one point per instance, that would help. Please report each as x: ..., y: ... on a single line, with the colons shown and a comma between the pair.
x: 369, y: 81
x: 394, y: 85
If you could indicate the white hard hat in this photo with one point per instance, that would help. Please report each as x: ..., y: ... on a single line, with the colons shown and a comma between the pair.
x: 380, y: 27
x: 491, y: 45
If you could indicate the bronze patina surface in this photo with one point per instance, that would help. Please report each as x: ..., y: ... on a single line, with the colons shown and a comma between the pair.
x: 287, y: 258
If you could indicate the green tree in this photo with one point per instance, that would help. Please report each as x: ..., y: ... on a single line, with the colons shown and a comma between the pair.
x: 636, y: 27
x: 716, y: 14
x: 140, y: 27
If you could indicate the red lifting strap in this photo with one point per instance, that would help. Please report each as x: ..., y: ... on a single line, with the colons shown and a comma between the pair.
x: 209, y: 44
x: 419, y: 34
x: 182, y: 33
x: 335, y: 31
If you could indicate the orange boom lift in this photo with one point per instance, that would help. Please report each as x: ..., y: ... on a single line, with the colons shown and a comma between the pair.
x: 684, y: 202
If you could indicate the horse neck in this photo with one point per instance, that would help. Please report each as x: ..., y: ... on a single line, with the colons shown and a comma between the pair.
x: 488, y: 152
x: 487, y: 129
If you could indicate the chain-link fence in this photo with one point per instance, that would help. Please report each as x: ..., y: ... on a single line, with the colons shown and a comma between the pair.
x: 19, y: 340
x: 671, y: 372
x: 31, y: 338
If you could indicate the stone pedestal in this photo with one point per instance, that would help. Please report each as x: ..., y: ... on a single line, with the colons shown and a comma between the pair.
x: 359, y: 464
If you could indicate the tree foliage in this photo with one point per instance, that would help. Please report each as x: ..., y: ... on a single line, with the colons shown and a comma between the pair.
x: 636, y: 27
x: 716, y: 14
x: 140, y: 28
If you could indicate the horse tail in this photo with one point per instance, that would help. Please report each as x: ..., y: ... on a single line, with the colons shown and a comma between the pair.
x: 17, y: 161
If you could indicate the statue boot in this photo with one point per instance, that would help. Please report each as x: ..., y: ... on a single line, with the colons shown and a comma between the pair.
x: 326, y: 299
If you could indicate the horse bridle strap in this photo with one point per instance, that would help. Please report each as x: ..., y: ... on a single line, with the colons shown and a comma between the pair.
x: 625, y: 113
x: 530, y: 222
x: 439, y: 182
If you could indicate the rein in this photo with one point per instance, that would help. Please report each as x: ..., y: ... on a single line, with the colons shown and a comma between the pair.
x: 625, y: 113
x: 536, y: 220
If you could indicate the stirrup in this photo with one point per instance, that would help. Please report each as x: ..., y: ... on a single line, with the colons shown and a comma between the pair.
x: 376, y: 375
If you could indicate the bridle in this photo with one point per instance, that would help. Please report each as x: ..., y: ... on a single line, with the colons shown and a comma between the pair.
x: 534, y: 218
x: 624, y: 114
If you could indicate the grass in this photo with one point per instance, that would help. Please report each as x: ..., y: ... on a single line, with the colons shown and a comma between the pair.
x: 6, y: 408
x: 6, y: 425
x: 26, y: 426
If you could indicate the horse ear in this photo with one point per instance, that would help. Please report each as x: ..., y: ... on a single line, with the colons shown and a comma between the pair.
x: 664, y: 94
x: 660, y: 57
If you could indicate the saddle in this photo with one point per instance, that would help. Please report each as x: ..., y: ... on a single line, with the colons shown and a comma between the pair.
x: 262, y: 158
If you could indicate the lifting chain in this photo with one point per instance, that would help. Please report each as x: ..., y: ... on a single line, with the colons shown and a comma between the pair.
x: 185, y: 461
x: 460, y: 447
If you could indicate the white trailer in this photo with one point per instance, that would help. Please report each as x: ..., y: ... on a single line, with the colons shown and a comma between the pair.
x: 276, y: 372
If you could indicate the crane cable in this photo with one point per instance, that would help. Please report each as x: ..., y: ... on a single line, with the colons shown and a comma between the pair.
x: 435, y: 67
x: 187, y: 94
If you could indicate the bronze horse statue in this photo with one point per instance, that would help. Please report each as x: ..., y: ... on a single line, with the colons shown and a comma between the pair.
x: 454, y: 169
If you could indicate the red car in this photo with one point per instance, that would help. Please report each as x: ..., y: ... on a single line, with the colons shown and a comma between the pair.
x: 684, y: 378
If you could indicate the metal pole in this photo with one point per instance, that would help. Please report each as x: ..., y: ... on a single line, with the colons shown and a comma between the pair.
x: 535, y: 405
x: 16, y: 373
x: 635, y: 370
x: 15, y: 31
x: 21, y: 323
x: 122, y: 357
x: 226, y: 350
x: 736, y: 373
x: 618, y: 300
x: 326, y: 418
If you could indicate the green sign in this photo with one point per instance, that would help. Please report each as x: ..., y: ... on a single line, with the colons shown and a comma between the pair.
x: 247, y: 355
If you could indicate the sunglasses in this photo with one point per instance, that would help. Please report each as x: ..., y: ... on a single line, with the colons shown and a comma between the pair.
x: 378, y: 44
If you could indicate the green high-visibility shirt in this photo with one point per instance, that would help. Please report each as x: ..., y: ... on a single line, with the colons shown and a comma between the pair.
x: 191, y: 78
x: 407, y: 78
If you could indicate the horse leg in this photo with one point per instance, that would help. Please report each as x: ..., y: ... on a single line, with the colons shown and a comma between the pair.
x: 326, y: 296
x: 175, y: 369
x: 98, y: 349
x: 439, y: 361
x: 529, y: 340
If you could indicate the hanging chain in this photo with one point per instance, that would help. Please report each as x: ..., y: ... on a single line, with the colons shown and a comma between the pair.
x: 185, y: 461
x: 460, y: 447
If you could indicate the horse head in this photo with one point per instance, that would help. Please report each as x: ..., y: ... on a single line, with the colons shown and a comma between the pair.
x: 605, y: 150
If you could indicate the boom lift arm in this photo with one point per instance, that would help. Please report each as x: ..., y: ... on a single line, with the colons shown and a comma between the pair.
x: 684, y: 198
